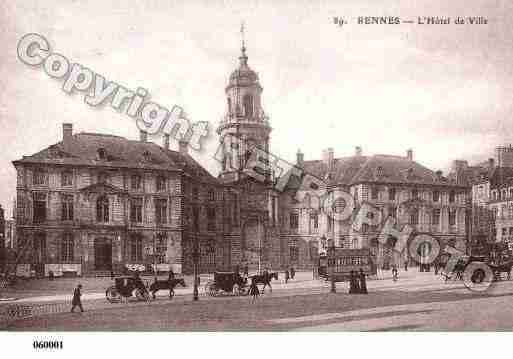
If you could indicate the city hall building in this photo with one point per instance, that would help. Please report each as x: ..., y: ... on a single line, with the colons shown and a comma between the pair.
x: 96, y: 203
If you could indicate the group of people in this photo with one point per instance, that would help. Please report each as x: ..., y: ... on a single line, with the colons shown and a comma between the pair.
x: 289, y: 274
x: 357, y: 282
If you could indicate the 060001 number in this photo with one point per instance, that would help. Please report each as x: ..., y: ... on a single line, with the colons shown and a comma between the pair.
x: 43, y: 344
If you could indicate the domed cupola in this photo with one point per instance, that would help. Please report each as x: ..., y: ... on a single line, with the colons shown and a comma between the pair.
x: 244, y: 75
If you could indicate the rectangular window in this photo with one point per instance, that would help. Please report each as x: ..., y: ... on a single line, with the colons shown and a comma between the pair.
x: 414, y: 217
x: 294, y: 220
x: 66, y: 179
x: 452, y: 217
x: 211, y: 219
x: 161, y: 248
x: 391, y: 194
x: 510, y: 231
x: 314, y: 217
x: 504, y: 231
x: 136, y: 249
x: 273, y: 210
x: 195, y: 218
x: 39, y: 177
x: 161, y: 211
x: 67, y: 248
x: 374, y: 193
x: 365, y: 227
x: 294, y: 254
x: 436, y: 196
x: 39, y: 209
x: 161, y: 183
x: 436, y: 216
x: 136, y: 210
x: 67, y: 207
x: 136, y: 182
x: 392, y: 211
x: 211, y: 196
x: 415, y: 194
x: 452, y: 196
x: 235, y: 211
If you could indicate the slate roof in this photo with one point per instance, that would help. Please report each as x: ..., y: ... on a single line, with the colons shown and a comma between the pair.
x: 378, y: 168
x: 83, y: 150
x: 501, y: 176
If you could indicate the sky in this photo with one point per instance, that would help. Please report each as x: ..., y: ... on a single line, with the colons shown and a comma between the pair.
x: 442, y: 90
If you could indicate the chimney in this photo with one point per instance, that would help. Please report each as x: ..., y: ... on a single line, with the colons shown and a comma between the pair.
x: 409, y: 154
x: 357, y: 151
x: 166, y: 141
x: 299, y: 158
x: 327, y: 157
x: 143, y: 136
x: 67, y: 133
x: 439, y: 174
x: 183, y: 147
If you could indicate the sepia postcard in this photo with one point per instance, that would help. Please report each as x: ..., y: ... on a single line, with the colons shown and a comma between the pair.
x: 327, y: 167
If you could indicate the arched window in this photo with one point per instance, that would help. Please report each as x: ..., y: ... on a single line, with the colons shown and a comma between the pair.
x: 248, y: 105
x: 102, y: 209
x: 102, y: 154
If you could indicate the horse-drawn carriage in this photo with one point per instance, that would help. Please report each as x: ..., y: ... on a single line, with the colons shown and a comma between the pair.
x: 479, y: 272
x: 130, y: 286
x: 226, y: 282
x: 126, y: 287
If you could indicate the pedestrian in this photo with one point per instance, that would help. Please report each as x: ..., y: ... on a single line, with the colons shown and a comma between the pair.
x: 77, y: 301
x: 51, y: 275
x: 253, y: 290
x: 111, y: 274
x: 171, y: 275
x: 394, y: 272
x: 351, y: 283
x: 436, y: 268
x: 246, y: 271
x: 357, y: 288
x: 292, y: 272
x: 287, y: 275
x: 363, y: 282
x: 406, y: 265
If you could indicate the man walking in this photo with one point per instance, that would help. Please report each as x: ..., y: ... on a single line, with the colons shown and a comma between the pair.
x: 77, y: 301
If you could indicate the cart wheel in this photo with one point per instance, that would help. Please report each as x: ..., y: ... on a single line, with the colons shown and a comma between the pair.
x: 142, y: 295
x: 113, y: 295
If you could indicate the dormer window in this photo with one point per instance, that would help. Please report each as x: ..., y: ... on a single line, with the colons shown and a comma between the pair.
x: 147, y: 155
x: 379, y: 171
x: 102, y: 154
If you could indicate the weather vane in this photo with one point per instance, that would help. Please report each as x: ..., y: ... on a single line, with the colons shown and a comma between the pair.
x: 242, y: 33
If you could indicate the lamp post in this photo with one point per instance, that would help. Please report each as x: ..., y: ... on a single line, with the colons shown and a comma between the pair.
x: 331, y: 262
x: 195, y: 256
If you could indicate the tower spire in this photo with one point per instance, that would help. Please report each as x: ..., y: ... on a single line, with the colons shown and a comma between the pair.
x: 243, y: 57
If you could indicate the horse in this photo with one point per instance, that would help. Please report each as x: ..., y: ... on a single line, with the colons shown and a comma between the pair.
x: 265, y: 279
x: 166, y: 284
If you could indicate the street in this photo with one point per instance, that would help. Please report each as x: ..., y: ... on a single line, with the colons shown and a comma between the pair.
x: 417, y: 302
